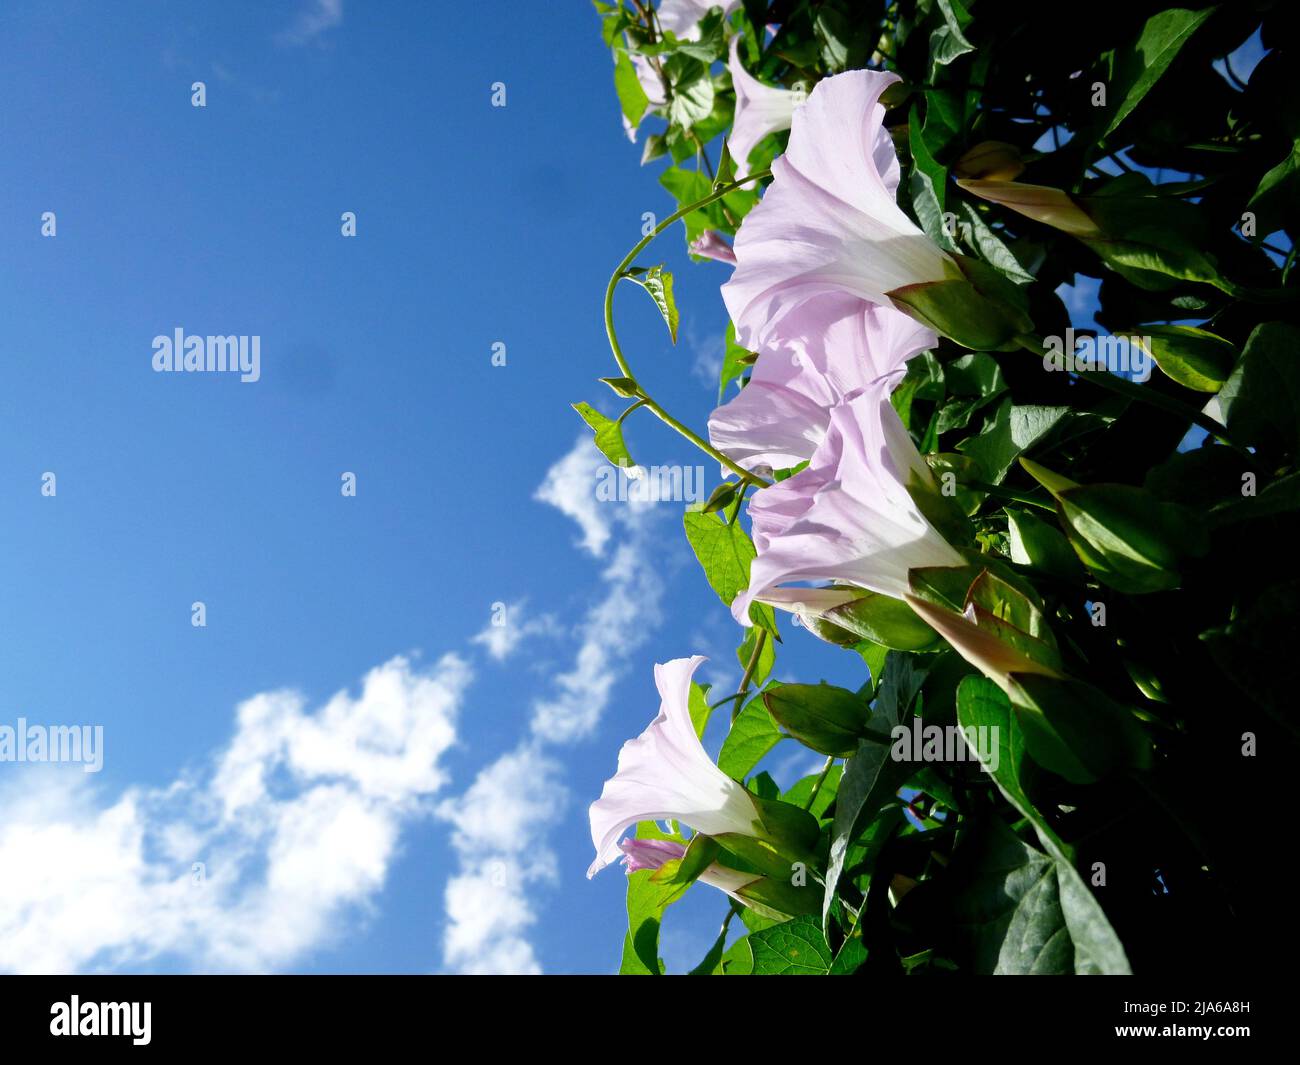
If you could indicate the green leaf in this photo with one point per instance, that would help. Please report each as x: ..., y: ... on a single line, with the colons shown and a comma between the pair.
x: 691, y: 99
x: 1130, y: 540
x: 725, y: 551
x: 981, y: 704
x: 957, y: 309
x: 1009, y: 602
x: 658, y: 282
x: 828, y: 719
x: 798, y: 795
x: 1074, y: 730
x: 735, y: 361
x: 871, y: 775
x: 710, y: 40
x: 691, y: 186
x: 780, y: 898
x: 1261, y: 400
x: 1195, y: 358
x: 1013, y: 431
x: 766, y: 656
x: 987, y: 242
x: 1278, y: 192
x: 631, y: 96
x: 1135, y: 69
x: 795, y: 948
x: 616, y: 20
x: 656, y: 145
x: 927, y: 185
x: 752, y: 735
x: 885, y: 621
x: 789, y: 837
x: 1151, y: 239
x: 973, y: 381
x: 1035, y: 543
x: 698, y: 704
x: 739, y: 959
x: 609, y: 435
x: 852, y: 955
x: 1018, y: 911
x: 953, y: 472
x: 948, y: 41
x: 646, y: 902
x: 1097, y: 949
x: 843, y: 46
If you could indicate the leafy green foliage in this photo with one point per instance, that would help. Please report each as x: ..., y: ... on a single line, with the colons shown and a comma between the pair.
x: 725, y: 552
x: 1124, y: 626
x: 1135, y: 68
x: 752, y: 735
x: 796, y: 948
x: 647, y: 898
x: 1008, y: 911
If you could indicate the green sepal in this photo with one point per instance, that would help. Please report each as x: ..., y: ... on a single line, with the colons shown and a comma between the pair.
x: 977, y: 308
x: 828, y: 719
x: 883, y: 620
x: 1130, y: 540
x: 623, y: 386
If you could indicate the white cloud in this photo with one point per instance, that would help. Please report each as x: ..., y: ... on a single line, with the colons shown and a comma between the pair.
x: 570, y: 487
x: 706, y: 350
x: 501, y: 640
x: 298, y: 822
x: 502, y: 820
x: 614, y: 627
x: 499, y: 832
x: 315, y: 18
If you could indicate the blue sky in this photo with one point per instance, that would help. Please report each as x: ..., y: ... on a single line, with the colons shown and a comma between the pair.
x: 433, y: 816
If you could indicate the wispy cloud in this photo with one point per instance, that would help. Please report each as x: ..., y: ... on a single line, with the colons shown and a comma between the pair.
x: 497, y: 823
x: 316, y: 18
x: 505, y: 633
x: 245, y: 866
x: 614, y: 627
x: 570, y: 487
x: 517, y: 798
x: 706, y: 350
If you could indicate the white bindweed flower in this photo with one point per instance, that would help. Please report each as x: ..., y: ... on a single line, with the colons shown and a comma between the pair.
x: 665, y: 774
x: 761, y: 110
x: 830, y: 221
x: 833, y: 347
x: 849, y: 517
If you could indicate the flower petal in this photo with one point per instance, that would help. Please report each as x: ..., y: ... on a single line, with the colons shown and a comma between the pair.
x: 761, y: 110
x: 829, y: 220
x: 849, y: 516
x: 835, y: 346
x: 665, y: 773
